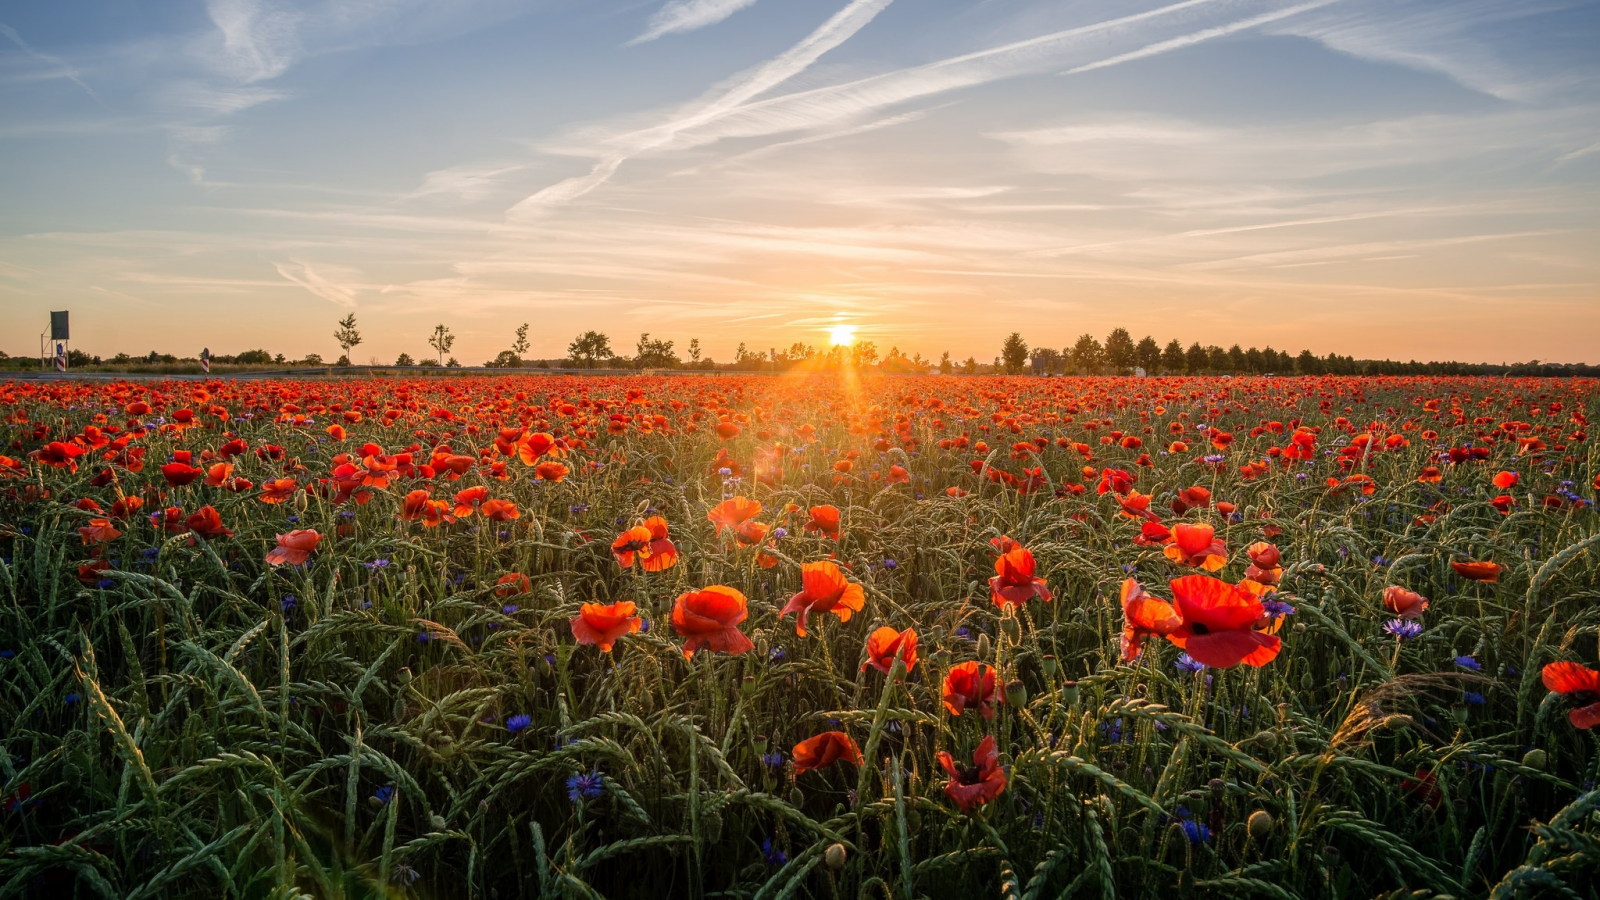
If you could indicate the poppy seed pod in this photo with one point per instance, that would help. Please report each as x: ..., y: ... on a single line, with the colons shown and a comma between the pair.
x: 748, y: 686
x: 437, y: 822
x: 1259, y: 824
x: 1535, y: 759
x: 404, y: 676
x: 834, y: 856
x: 1069, y: 693
x: 759, y: 742
x: 1011, y: 628
x: 1016, y: 693
x: 1218, y: 787
x: 1048, y: 664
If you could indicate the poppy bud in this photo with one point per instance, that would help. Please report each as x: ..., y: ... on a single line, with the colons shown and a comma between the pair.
x: 1048, y: 664
x: 796, y: 798
x: 399, y: 708
x: 935, y: 634
x: 1011, y: 628
x: 1069, y: 693
x: 983, y: 646
x: 1266, y: 740
x: 834, y: 856
x: 404, y: 676
x: 1307, y: 682
x: 898, y: 670
x: 1534, y: 759
x: 1016, y: 693
x: 1259, y: 824
x: 375, y: 803
x: 437, y: 822
x: 1299, y: 628
x: 299, y: 501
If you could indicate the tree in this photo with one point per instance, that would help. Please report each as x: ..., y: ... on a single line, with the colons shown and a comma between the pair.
x: 589, y: 348
x: 1198, y: 360
x: 520, y: 346
x: 945, y: 366
x: 651, y: 354
x: 1119, y: 351
x: 254, y: 358
x: 694, y: 351
x: 442, y: 341
x: 1255, y: 361
x: 1172, y: 361
x: 1087, y: 355
x: 863, y: 354
x: 404, y: 359
x: 970, y: 367
x: 1015, y: 353
x: 347, y: 336
x: 1147, y: 355
x: 1308, y: 364
x: 1045, y: 360
x: 505, y: 359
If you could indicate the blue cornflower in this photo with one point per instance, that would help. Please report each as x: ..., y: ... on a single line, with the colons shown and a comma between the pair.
x: 577, y: 508
x: 1277, y: 609
x: 289, y: 603
x: 1474, y: 698
x: 773, y: 760
x: 1187, y: 663
x: 7, y: 654
x: 1194, y: 831
x: 518, y: 722
x: 510, y: 609
x: 105, y: 584
x: 1402, y: 628
x: 644, y: 626
x: 773, y: 855
x: 724, y: 471
x: 72, y: 699
x: 775, y: 654
x: 582, y: 787
x: 779, y: 534
x: 1467, y: 662
x: 385, y: 793
x: 377, y: 564
x: 890, y: 564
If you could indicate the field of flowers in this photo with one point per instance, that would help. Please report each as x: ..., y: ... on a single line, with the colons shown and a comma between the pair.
x: 801, y: 636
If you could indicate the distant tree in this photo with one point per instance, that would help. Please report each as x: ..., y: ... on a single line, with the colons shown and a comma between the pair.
x: 863, y: 354
x: 442, y: 341
x: 1015, y: 353
x: 1197, y: 360
x: 254, y: 358
x: 1236, y: 361
x: 404, y: 359
x: 347, y: 336
x: 1045, y: 360
x: 1217, y: 360
x: 1307, y: 363
x: 312, y: 359
x: 452, y: 364
x: 505, y: 359
x: 76, y: 358
x: 587, y: 350
x: 1147, y: 355
x: 1255, y: 361
x: 657, y: 354
x: 694, y: 351
x: 279, y: 359
x: 520, y: 345
x: 1119, y: 350
x: 1172, y: 359
x: 970, y: 367
x: 1087, y: 355
x: 945, y: 366
x: 428, y: 362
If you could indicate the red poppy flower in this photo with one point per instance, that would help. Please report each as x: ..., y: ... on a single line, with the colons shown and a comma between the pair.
x: 295, y: 547
x: 91, y: 572
x: 823, y: 589
x: 498, y: 510
x: 1430, y: 475
x: 964, y: 689
x: 1503, y: 503
x: 552, y: 472
x: 179, y: 474
x: 824, y: 519
x: 885, y: 642
x: 98, y: 531
x: 975, y: 786
x: 207, y: 523
x: 1404, y: 603
x: 727, y: 430
x: 468, y: 501
x: 1137, y: 506
x: 1264, y: 559
x: 601, y: 624
x: 513, y: 583
x: 710, y: 618
x: 278, y: 490
x: 750, y: 533
x: 1219, y: 622
x: 1143, y: 616
x: 633, y: 542
x: 1014, y: 581
x: 533, y: 446
x: 1153, y: 534
x: 1580, y: 685
x: 1505, y: 481
x: 219, y: 474
x: 1197, y: 545
x: 897, y: 475
x: 1478, y: 571
x: 733, y: 512
x: 825, y: 749
x: 663, y: 554
x: 1196, y: 497
x: 1114, y: 480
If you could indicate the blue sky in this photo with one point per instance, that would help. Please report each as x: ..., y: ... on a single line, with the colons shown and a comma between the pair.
x: 1371, y: 177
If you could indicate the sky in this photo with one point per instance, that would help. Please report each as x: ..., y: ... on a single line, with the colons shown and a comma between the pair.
x: 1414, y: 179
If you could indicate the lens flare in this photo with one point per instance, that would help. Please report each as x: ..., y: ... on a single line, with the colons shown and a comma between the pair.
x: 842, y: 335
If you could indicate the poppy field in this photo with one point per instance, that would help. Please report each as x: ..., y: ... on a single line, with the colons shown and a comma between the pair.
x: 818, y: 635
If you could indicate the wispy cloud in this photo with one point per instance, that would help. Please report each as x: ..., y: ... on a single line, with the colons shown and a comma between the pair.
x: 301, y: 274
x: 838, y: 29
x: 54, y: 66
x: 680, y: 16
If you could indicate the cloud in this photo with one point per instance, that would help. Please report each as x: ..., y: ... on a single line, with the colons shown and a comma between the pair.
x: 304, y: 276
x: 680, y: 16
x: 838, y: 29
x: 57, y: 68
x: 469, y: 182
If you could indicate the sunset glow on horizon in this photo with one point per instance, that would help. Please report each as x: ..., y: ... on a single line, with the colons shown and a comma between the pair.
x: 1414, y: 180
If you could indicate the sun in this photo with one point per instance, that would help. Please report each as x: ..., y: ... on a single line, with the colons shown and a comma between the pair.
x: 842, y: 335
